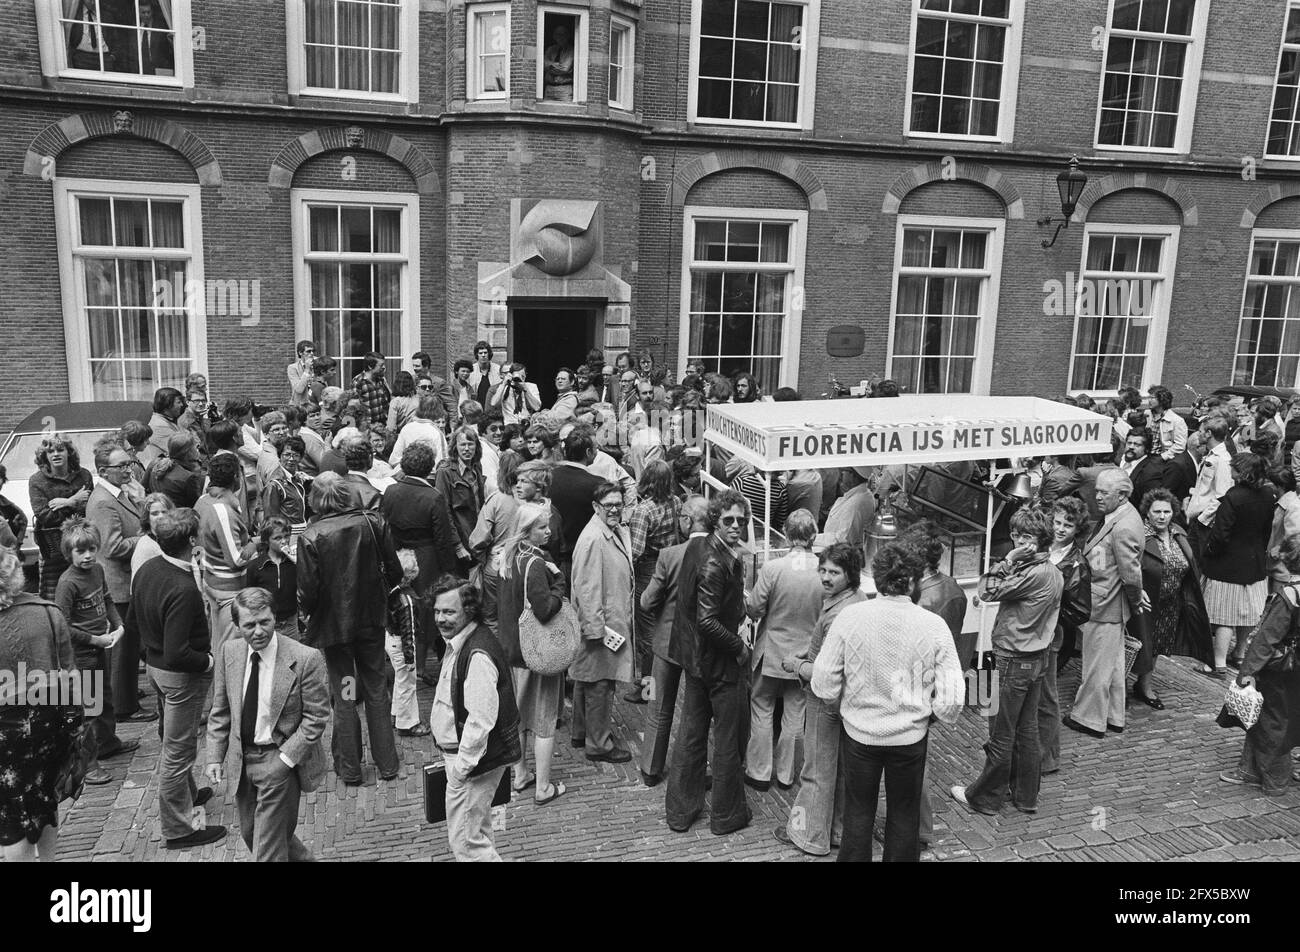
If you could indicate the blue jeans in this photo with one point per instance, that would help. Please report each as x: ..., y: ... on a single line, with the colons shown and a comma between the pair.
x: 1013, y: 758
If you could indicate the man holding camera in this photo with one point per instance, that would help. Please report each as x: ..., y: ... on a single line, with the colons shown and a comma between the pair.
x: 517, y: 398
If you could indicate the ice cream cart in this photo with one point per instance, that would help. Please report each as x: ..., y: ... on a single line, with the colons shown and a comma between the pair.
x: 924, y: 440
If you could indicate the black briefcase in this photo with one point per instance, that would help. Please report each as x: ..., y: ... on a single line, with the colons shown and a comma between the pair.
x: 435, y: 792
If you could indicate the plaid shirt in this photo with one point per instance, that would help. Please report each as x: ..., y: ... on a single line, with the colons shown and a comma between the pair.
x: 653, y: 526
x: 375, y: 396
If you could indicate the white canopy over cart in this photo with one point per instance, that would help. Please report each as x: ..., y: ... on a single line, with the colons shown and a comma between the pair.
x: 914, y: 430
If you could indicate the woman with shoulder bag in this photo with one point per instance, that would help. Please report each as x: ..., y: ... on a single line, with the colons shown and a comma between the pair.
x: 1270, y: 666
x: 531, y: 582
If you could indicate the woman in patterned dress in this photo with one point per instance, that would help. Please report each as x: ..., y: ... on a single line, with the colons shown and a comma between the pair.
x: 1172, y: 580
x: 35, y: 739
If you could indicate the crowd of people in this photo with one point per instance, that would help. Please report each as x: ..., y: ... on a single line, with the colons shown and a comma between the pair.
x: 302, y: 562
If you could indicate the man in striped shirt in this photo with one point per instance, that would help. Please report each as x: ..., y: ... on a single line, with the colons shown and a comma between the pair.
x: 227, y: 547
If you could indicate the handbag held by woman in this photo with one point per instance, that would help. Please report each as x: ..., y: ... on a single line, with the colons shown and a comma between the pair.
x: 549, y: 647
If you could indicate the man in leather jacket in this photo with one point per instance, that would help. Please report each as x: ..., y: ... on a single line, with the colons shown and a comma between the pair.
x: 714, y: 660
x: 345, y: 561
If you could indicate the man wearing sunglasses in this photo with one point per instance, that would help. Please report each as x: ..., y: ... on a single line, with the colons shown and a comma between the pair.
x: 426, y: 382
x: 706, y: 638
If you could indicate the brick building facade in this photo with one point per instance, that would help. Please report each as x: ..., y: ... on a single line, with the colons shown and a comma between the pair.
x: 708, y: 179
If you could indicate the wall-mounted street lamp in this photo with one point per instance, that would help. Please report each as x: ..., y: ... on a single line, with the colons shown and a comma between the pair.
x: 1070, y: 184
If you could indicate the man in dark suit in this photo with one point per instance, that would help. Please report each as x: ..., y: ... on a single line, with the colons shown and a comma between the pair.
x: 1146, y: 471
x: 660, y: 599
x: 117, y: 517
x: 283, y: 692
x: 572, y: 485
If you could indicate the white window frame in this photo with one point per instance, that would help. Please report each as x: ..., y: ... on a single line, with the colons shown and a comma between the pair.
x: 300, y: 200
x: 626, y: 95
x: 986, y: 335
x: 792, y: 326
x: 1262, y: 234
x: 807, y: 78
x: 581, y: 53
x: 1010, y: 74
x: 1191, y: 82
x: 53, y: 48
x: 1277, y: 77
x: 1153, y: 369
x: 76, y: 331
x: 472, y: 91
x: 408, y: 73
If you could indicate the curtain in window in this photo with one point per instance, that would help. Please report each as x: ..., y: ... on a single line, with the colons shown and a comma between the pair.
x: 168, y: 224
x: 783, y: 63
x: 354, y: 31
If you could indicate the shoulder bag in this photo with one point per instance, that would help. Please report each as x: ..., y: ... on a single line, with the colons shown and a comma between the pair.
x: 549, y: 647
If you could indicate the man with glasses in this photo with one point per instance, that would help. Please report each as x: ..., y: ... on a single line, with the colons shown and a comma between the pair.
x: 426, y: 382
x: 715, y: 659
x: 115, y: 514
x: 602, y: 597
x: 300, y: 374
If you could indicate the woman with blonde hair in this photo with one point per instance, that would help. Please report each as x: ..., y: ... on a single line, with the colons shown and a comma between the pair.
x: 58, y: 490
x: 36, y: 739
x: 530, y: 581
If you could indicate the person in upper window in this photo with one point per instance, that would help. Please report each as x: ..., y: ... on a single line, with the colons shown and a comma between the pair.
x: 558, y: 65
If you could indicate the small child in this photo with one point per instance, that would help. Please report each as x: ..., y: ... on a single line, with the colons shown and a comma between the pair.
x: 403, y: 621
x: 82, y: 596
x: 274, y: 569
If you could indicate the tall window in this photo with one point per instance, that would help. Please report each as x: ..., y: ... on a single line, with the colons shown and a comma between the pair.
x: 743, y: 293
x: 1121, y: 308
x: 356, y: 284
x: 945, y: 305
x: 353, y: 46
x: 1268, y: 343
x: 964, y: 67
x: 1153, y: 53
x: 752, y: 61
x: 1284, y: 127
x: 622, y: 56
x: 488, y: 53
x: 132, y: 287
x: 125, y: 41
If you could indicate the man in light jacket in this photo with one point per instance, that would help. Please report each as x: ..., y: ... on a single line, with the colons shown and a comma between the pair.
x: 602, y: 597
x: 1114, y: 554
x: 281, y: 692
x: 117, y: 517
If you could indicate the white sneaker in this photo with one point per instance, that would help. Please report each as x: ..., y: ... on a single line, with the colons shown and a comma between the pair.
x: 959, y: 794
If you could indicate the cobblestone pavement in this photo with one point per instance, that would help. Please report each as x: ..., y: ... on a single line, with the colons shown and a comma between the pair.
x: 1151, y: 793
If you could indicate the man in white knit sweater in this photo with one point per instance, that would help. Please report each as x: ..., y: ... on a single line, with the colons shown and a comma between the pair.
x: 892, y: 668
